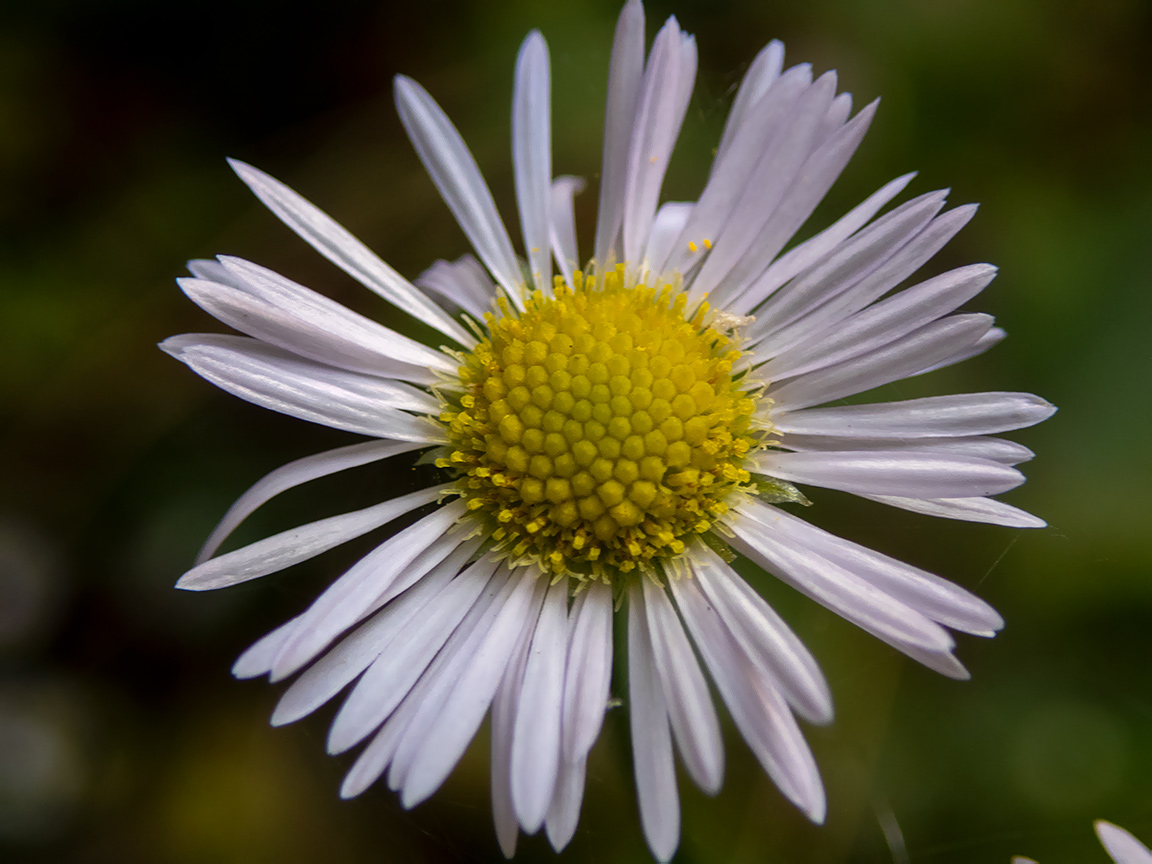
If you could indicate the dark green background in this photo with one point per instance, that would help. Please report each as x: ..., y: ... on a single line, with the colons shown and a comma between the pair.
x: 123, y: 737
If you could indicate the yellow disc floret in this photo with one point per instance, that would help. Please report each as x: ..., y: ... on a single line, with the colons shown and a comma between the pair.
x: 599, y: 429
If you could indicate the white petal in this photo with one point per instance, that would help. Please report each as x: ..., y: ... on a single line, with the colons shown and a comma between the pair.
x: 759, y: 712
x: 882, y: 323
x: 532, y: 155
x: 456, y: 723
x: 393, y: 674
x: 979, y: 446
x: 625, y: 78
x: 905, y: 473
x: 1122, y: 846
x: 816, y: 248
x: 258, y: 659
x: 536, y: 739
x: 775, y: 549
x: 429, y: 694
x: 958, y: 414
x: 844, y: 267
x: 690, y: 710
x: 355, y: 594
x: 463, y: 283
x: 965, y: 352
x: 761, y: 75
x: 811, y: 183
x: 588, y: 672
x: 659, y: 114
x: 666, y: 228
x: 564, y: 813
x: 504, y: 706
x: 294, y: 474
x: 938, y: 599
x: 766, y: 186
x: 767, y: 123
x: 826, y: 318
x: 563, y: 237
x: 337, y: 244
x: 280, y: 381
x: 967, y: 509
x: 928, y: 345
x: 344, y: 662
x: 766, y: 640
x: 458, y: 179
x: 651, y: 737
x: 299, y: 544
x: 307, y: 323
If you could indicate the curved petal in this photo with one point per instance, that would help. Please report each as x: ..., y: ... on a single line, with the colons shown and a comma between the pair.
x: 532, y: 155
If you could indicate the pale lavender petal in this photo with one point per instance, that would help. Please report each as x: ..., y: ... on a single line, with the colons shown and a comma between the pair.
x: 337, y: 244
x: 1122, y: 846
x: 299, y: 544
x: 966, y: 509
x: 761, y: 75
x: 588, y: 672
x: 464, y: 283
x: 532, y: 155
x: 564, y: 813
x: 564, y: 248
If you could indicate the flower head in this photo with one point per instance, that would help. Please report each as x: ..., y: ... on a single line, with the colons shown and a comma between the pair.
x: 614, y: 435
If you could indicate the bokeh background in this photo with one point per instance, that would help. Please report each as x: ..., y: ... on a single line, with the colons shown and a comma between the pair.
x: 123, y: 737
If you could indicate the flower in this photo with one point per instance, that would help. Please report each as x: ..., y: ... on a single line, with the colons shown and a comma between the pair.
x: 1118, y: 843
x: 614, y: 435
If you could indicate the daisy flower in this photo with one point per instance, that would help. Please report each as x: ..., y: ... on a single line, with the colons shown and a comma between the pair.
x: 612, y: 437
x: 1121, y: 846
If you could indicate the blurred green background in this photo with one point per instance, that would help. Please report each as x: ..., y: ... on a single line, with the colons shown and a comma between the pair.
x: 123, y: 737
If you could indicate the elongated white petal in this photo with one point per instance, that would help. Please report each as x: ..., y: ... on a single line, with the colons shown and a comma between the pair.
x: 758, y: 710
x: 766, y: 640
x: 463, y: 283
x: 959, y: 414
x: 1122, y: 846
x: 732, y: 178
x: 939, y: 599
x: 456, y: 724
x: 564, y: 814
x: 659, y: 114
x: 299, y: 544
x: 666, y: 228
x: 392, y: 675
x: 882, y: 323
x: 337, y: 244
x: 274, y: 379
x: 305, y: 321
x: 761, y: 75
x: 536, y: 739
x: 532, y: 155
x: 588, y: 672
x: 294, y: 474
x: 825, y: 318
x: 811, y: 183
x: 344, y: 662
x: 563, y: 237
x: 428, y: 694
x: 693, y: 717
x: 906, y: 473
x: 354, y: 594
x: 766, y: 186
x: 963, y: 352
x: 625, y: 78
x: 966, y: 509
x: 818, y: 247
x: 258, y: 658
x: 651, y: 737
x: 931, y: 343
x: 459, y: 181
x: 978, y: 446
x: 852, y: 261
x: 504, y: 708
x: 831, y: 585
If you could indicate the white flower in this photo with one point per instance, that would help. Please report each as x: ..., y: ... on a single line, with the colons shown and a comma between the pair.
x: 611, y: 437
x: 1120, y: 845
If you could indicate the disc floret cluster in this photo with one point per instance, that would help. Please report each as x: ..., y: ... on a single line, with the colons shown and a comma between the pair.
x: 600, y: 429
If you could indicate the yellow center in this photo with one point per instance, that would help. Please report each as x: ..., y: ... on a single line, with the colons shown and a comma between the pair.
x: 599, y: 429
